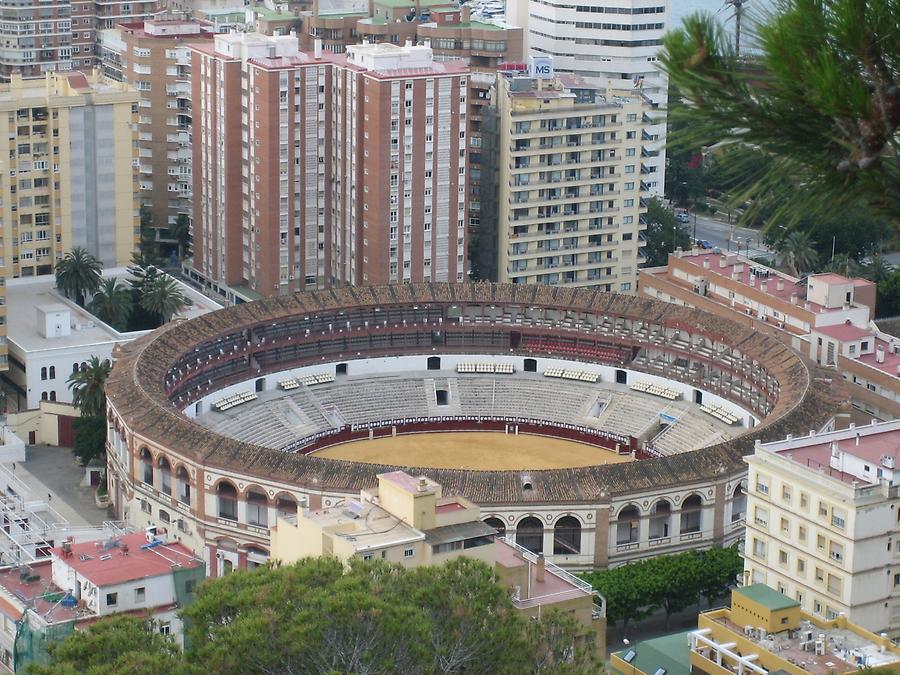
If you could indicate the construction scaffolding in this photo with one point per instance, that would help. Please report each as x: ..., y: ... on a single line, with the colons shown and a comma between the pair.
x: 33, y: 637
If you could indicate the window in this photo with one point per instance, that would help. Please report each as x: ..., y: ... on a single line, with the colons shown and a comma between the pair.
x: 804, y: 501
x: 367, y: 556
x: 112, y: 599
x: 783, y: 558
x: 140, y: 594
x: 43, y: 373
x: 838, y: 518
x: 52, y: 372
x: 820, y: 542
x: 761, y: 517
x: 786, y: 493
x: 409, y: 552
x: 834, y: 584
x: 165, y: 628
x: 836, y: 552
x: 820, y: 575
x: 801, y: 566
x: 759, y: 548
x: 823, y: 510
x: 762, y: 484
x: 801, y: 534
x: 785, y: 526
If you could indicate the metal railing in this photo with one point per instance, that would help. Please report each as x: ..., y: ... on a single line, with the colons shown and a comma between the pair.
x: 556, y: 570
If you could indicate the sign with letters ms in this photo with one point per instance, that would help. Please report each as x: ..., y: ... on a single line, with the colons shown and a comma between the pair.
x: 541, y: 66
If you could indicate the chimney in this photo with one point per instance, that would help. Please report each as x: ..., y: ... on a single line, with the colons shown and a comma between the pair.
x: 706, y: 263
x: 779, y: 285
x: 408, y: 43
x: 879, y: 354
x: 739, y: 267
x: 735, y: 276
x: 539, y: 572
x: 763, y: 286
x: 722, y: 262
x: 793, y: 298
x: 423, y: 484
x: 806, y: 305
x: 317, y: 48
x: 752, y: 281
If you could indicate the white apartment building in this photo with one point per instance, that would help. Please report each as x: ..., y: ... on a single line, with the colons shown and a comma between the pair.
x: 564, y: 202
x: 616, y: 41
x: 823, y: 523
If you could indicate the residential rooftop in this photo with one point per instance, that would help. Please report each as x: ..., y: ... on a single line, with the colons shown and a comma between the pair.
x: 127, y: 558
x: 366, y: 525
x: 32, y: 586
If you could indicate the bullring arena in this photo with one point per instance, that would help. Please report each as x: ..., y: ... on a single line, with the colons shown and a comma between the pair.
x: 595, y: 428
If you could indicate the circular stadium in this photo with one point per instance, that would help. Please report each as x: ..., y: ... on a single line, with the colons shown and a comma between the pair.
x: 593, y: 427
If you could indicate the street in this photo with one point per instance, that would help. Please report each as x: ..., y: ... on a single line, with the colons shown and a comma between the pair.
x: 728, y: 237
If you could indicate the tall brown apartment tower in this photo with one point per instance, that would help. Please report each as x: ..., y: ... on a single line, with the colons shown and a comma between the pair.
x: 42, y: 36
x: 315, y: 170
x: 400, y: 166
x: 152, y: 57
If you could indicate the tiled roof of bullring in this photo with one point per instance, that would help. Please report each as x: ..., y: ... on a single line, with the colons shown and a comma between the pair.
x: 135, y: 388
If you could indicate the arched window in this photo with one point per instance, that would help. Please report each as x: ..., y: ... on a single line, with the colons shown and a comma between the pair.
x: 44, y: 373
x: 660, y: 519
x: 257, y: 508
x: 286, y: 506
x: 227, y: 495
x: 530, y: 534
x: 74, y: 367
x: 738, y: 503
x: 52, y: 372
x: 164, y: 517
x: 567, y: 536
x: 43, y: 395
x: 690, y: 514
x: 627, y: 525
x: 497, y: 524
x: 183, y: 481
x: 165, y: 476
x: 52, y: 394
x: 146, y: 466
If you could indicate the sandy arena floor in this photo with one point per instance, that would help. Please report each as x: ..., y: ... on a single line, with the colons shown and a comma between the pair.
x: 476, y: 450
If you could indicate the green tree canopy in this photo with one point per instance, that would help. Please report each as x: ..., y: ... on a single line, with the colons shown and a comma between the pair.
x: 664, y: 234
x: 112, y: 303
x: 181, y: 232
x: 119, y: 644
x: 163, y: 297
x: 90, y: 438
x: 320, y: 616
x: 88, y: 387
x: 797, y: 252
x: 78, y: 274
x: 818, y: 93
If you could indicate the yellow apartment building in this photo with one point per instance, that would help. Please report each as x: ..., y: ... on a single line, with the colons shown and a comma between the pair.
x: 762, y: 632
x: 562, y: 203
x: 68, y: 171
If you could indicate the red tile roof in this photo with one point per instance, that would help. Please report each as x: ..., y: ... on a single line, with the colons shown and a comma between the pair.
x: 126, y: 564
x: 40, y: 593
x: 844, y: 331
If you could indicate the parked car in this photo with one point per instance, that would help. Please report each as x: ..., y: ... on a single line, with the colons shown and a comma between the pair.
x: 704, y: 244
x: 683, y: 217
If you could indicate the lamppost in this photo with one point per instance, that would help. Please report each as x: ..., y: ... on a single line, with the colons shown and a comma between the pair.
x: 694, y: 209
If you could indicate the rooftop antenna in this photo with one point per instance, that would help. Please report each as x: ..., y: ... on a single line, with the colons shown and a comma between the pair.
x: 738, y: 6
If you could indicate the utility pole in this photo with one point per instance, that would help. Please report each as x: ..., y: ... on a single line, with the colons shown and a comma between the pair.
x: 738, y: 15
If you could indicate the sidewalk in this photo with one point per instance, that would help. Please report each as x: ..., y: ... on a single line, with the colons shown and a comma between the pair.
x: 55, y: 473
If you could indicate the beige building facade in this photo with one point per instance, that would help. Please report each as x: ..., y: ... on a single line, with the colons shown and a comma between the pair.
x: 822, y: 524
x: 69, y: 171
x: 564, y: 202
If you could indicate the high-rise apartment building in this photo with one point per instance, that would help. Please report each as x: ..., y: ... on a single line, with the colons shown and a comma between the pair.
x: 563, y: 201
x: 335, y: 169
x: 453, y: 35
x: 152, y: 57
x: 822, y: 523
x: 68, y: 170
x: 618, y: 43
x: 42, y: 36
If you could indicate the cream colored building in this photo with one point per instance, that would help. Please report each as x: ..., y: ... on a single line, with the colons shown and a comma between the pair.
x: 823, y: 525
x: 404, y: 520
x: 563, y: 202
x: 407, y: 520
x: 68, y: 171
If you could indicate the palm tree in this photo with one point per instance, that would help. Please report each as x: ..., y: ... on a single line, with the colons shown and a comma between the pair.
x: 78, y: 274
x: 87, y: 385
x: 797, y: 251
x: 877, y: 269
x: 181, y: 232
x: 112, y: 303
x: 163, y: 297
x: 843, y: 264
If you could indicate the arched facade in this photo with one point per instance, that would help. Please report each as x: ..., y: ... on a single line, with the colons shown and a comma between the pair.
x: 223, y: 490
